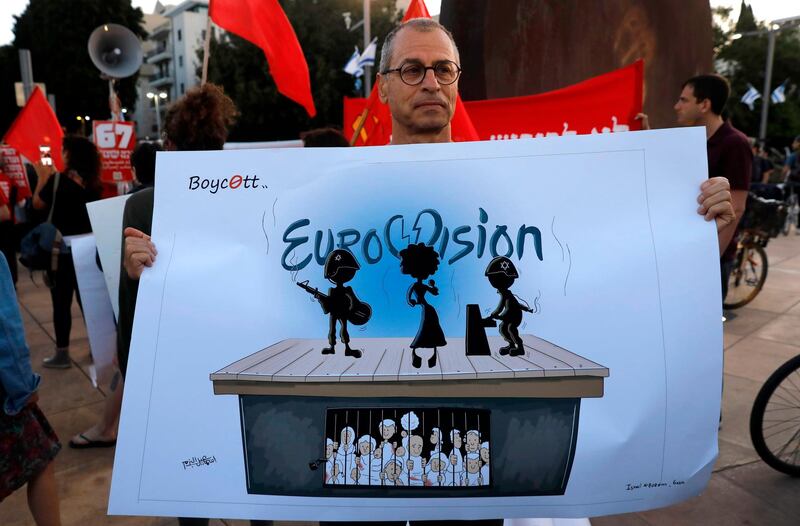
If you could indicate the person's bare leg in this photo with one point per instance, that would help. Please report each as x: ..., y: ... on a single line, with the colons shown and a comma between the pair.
x: 43, y: 497
x: 112, y: 408
x: 106, y: 429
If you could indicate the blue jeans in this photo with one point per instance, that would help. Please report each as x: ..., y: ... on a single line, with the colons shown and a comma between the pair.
x: 17, y: 380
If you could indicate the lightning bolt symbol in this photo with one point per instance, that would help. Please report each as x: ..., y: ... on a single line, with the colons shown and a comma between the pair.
x: 437, y: 225
x: 405, y: 237
x: 416, y: 228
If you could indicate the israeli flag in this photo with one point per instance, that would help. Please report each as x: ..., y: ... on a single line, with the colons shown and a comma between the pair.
x: 367, y: 58
x: 353, y: 67
x: 779, y: 94
x: 750, y: 96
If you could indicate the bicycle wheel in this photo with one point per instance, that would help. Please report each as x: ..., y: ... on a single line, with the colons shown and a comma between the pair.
x: 748, y: 277
x: 775, y: 419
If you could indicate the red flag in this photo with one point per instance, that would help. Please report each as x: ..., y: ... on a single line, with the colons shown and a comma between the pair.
x: 378, y: 128
x: 35, y: 126
x: 264, y: 23
x: 416, y: 9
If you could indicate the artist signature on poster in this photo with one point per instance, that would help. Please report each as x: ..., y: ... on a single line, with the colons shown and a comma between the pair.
x: 651, y: 485
x: 196, y: 462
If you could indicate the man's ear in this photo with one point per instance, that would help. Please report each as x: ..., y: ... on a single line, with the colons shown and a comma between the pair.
x: 705, y: 105
x: 382, y: 88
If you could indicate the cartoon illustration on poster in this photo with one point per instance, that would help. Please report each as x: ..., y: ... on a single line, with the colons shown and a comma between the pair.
x: 385, y: 447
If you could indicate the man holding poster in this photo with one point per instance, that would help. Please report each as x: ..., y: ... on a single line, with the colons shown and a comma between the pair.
x: 624, y: 320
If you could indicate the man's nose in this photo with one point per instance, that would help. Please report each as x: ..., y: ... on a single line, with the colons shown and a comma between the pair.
x: 429, y: 80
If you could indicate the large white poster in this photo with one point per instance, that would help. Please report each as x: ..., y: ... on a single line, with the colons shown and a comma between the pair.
x: 483, y: 330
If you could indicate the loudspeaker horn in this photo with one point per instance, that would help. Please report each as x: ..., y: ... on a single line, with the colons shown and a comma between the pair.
x: 115, y: 50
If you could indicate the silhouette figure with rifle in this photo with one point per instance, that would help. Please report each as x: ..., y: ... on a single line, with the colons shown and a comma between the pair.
x: 341, y: 303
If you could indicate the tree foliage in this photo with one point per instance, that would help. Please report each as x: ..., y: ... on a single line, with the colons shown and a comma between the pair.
x: 56, y: 32
x: 720, y: 27
x: 241, y: 68
x: 743, y: 61
x: 9, y: 70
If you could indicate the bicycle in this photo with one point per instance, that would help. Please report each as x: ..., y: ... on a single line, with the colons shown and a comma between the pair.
x: 775, y: 419
x: 762, y: 220
x: 749, y: 269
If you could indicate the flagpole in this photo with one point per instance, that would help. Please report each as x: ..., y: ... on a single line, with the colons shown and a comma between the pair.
x: 367, y: 39
x: 206, y: 48
x: 362, y: 121
x: 765, y: 97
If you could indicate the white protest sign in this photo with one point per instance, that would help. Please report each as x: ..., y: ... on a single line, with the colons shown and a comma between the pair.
x: 106, y: 218
x: 597, y: 392
x: 97, y: 311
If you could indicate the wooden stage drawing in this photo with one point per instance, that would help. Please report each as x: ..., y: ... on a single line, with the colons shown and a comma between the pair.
x: 289, y: 391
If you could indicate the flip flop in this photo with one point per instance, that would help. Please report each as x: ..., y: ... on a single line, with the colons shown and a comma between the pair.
x: 91, y: 443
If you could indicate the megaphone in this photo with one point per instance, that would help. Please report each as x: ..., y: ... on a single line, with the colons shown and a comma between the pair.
x: 115, y: 51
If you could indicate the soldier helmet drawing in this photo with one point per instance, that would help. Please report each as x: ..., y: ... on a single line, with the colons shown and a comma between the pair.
x: 502, y: 265
x: 339, y: 259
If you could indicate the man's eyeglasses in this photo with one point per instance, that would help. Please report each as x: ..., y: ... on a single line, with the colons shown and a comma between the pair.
x: 413, y: 73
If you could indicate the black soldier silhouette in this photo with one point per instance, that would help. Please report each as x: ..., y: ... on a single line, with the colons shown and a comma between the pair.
x: 341, y: 303
x: 421, y: 261
x: 502, y: 273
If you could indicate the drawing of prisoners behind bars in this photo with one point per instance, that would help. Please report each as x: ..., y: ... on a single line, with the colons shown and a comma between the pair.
x: 407, y: 447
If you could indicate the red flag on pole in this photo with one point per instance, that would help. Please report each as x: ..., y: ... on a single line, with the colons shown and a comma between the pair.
x: 35, y: 126
x: 378, y: 128
x: 264, y: 23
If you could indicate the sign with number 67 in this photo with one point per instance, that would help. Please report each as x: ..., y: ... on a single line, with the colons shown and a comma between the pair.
x: 115, y: 140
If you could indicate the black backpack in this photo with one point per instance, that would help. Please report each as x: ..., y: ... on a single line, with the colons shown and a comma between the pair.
x: 40, y: 248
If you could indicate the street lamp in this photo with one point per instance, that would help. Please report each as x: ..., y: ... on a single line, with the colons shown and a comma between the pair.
x: 771, y: 31
x: 155, y: 97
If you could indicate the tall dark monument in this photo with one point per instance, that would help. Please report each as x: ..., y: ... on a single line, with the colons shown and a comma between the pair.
x: 523, y: 47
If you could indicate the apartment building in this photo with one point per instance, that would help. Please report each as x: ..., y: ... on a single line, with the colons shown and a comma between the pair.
x: 171, y: 61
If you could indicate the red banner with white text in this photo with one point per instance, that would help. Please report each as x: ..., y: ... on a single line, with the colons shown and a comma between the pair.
x: 115, y: 140
x: 604, y: 104
x: 11, y: 164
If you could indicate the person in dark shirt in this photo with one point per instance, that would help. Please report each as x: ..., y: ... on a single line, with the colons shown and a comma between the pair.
x: 791, y: 170
x: 701, y: 103
x: 77, y: 185
x: 762, y: 166
x: 729, y: 154
x: 143, y: 165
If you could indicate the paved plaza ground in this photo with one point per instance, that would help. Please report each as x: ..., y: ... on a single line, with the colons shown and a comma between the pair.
x: 743, y: 490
